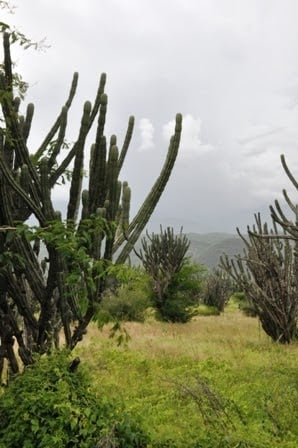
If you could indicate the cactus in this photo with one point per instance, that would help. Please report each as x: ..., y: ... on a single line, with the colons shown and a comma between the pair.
x: 266, y: 274
x: 38, y: 290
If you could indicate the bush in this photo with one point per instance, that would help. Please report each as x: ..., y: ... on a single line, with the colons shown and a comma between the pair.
x: 126, y: 304
x: 50, y: 406
x: 129, y: 300
x: 182, y: 293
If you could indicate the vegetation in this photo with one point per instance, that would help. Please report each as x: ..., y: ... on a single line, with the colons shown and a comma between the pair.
x: 268, y: 270
x: 52, y: 406
x: 129, y: 301
x: 38, y: 297
x: 214, y: 382
x: 217, y: 289
x: 175, y: 282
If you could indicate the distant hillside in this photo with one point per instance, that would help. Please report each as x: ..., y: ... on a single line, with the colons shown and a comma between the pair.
x: 207, y: 248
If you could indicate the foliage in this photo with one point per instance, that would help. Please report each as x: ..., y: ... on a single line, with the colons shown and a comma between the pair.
x: 217, y: 289
x: 50, y: 406
x: 129, y: 301
x: 183, y: 293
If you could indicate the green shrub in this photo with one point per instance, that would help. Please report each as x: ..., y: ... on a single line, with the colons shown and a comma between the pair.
x: 50, y: 407
x: 174, y: 310
x: 182, y: 293
x: 128, y: 303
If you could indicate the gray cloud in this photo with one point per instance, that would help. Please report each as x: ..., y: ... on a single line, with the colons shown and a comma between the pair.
x: 230, y: 67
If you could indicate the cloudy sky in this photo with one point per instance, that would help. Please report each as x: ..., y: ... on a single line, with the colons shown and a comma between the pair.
x: 229, y: 66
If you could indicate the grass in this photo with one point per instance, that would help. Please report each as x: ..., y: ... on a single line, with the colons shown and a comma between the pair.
x: 217, y: 381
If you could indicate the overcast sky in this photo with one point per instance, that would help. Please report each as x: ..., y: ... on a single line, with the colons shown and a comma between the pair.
x: 229, y: 66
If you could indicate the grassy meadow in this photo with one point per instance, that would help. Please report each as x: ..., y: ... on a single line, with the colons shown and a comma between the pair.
x: 217, y: 381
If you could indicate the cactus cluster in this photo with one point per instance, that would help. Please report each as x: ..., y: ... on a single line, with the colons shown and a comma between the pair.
x: 34, y: 294
x: 265, y: 273
x: 268, y: 270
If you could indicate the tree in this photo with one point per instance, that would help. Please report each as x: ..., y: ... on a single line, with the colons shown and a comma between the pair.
x: 37, y: 296
x: 173, y: 279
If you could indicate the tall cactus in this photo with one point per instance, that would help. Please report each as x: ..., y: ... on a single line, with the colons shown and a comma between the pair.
x: 97, y: 220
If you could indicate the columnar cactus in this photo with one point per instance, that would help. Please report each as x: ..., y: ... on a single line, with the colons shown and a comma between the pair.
x: 39, y: 291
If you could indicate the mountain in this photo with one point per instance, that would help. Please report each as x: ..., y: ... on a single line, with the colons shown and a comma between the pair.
x: 207, y: 248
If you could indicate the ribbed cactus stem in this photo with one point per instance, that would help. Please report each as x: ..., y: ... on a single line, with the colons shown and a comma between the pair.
x: 97, y: 176
x: 102, y: 115
x: 28, y: 121
x: 51, y: 134
x: 126, y: 197
x: 139, y: 222
x: 25, y: 178
x: 127, y: 141
x: 85, y: 204
x: 77, y: 173
x: 77, y: 147
x: 100, y: 91
x: 113, y: 199
x: 46, y: 190
x: 60, y: 138
x: 16, y: 103
x: 112, y: 186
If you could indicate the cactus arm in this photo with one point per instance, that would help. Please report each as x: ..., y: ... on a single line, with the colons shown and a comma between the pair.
x: 113, y: 197
x: 60, y: 138
x: 139, y: 222
x: 97, y: 173
x: 288, y: 172
x: 127, y: 141
x: 77, y: 174
x: 28, y: 121
x: 7, y: 62
x: 46, y: 190
x: 49, y: 137
x: 77, y: 147
x: 97, y: 102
